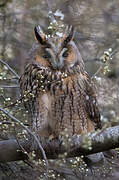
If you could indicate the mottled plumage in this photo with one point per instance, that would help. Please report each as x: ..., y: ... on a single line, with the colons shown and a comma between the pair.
x: 58, y: 91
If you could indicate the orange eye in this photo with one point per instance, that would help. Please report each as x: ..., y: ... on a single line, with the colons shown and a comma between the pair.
x: 65, y: 54
x: 46, y: 55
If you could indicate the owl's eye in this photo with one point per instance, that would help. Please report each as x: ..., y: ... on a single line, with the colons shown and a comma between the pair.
x: 65, y: 54
x: 46, y: 55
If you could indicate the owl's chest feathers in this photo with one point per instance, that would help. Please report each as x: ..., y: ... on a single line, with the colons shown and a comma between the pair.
x: 62, y: 106
x: 46, y: 98
x: 58, y: 91
x: 59, y: 100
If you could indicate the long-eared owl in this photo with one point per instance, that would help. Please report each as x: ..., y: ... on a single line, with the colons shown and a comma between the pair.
x: 58, y: 92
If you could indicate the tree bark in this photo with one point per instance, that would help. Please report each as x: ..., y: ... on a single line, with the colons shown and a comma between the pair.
x: 10, y: 150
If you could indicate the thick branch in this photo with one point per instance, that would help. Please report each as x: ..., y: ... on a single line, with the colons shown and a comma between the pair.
x: 106, y: 140
x: 10, y: 151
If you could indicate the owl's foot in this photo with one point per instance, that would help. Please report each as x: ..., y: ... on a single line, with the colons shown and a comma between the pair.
x: 52, y: 137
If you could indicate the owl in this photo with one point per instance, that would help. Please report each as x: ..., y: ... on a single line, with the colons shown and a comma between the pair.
x: 57, y: 91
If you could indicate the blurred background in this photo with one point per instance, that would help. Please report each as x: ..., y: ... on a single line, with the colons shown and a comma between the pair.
x: 97, y: 36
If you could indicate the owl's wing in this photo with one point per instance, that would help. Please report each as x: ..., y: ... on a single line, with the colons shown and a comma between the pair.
x: 91, y: 104
x: 28, y: 87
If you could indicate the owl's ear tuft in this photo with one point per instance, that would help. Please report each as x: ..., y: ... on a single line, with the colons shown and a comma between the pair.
x: 39, y: 35
x: 69, y: 34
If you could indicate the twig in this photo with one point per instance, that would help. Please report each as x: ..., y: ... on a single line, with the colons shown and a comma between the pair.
x: 97, y: 72
x: 106, y: 57
x: 8, y: 122
x: 9, y: 87
x: 28, y: 130
x: 51, y: 15
x: 49, y: 5
x: 18, y: 77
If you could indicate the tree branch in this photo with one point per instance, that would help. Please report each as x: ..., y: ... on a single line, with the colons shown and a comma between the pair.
x: 106, y: 140
x: 16, y: 75
x: 28, y: 130
x: 3, y: 87
x: 10, y: 151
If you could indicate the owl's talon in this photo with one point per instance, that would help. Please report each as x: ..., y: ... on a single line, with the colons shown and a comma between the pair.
x: 51, y: 137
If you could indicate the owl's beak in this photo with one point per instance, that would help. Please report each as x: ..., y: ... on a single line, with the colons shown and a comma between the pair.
x: 59, y: 65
